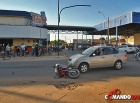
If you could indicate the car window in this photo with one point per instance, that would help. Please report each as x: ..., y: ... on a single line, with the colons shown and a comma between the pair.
x: 114, y: 51
x: 130, y: 46
x: 99, y: 52
x: 124, y: 46
x: 88, y: 51
x: 107, y: 51
x: 119, y: 47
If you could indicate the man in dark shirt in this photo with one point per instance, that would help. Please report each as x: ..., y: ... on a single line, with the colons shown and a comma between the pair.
x: 36, y: 49
x: 0, y: 47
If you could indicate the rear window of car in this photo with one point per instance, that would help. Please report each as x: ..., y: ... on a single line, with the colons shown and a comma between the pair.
x: 114, y: 51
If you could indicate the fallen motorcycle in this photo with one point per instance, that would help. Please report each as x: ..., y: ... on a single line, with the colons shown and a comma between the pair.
x: 63, y: 71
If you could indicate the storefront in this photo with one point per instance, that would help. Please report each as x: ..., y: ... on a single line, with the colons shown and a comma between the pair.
x: 17, y: 27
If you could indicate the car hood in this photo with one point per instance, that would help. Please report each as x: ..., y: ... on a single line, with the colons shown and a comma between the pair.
x: 76, y: 56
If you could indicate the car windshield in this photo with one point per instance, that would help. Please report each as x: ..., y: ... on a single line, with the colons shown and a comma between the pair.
x: 88, y: 51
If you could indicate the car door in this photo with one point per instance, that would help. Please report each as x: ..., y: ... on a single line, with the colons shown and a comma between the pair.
x: 97, y: 59
x: 110, y: 55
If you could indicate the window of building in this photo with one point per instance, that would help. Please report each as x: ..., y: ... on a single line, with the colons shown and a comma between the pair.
x: 28, y: 41
x: 33, y: 41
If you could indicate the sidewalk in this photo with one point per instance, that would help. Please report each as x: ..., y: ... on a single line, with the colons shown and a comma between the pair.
x: 29, y: 57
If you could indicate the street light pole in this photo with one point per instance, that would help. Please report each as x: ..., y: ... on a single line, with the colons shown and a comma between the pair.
x: 108, y: 25
x: 108, y: 31
x: 58, y: 27
x: 55, y: 42
x: 59, y: 18
x: 77, y: 40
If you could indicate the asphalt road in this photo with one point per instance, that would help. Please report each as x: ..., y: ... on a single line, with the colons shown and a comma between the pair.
x: 21, y: 70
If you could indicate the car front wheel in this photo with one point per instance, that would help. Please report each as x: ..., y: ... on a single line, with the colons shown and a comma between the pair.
x: 118, y: 65
x: 83, y: 67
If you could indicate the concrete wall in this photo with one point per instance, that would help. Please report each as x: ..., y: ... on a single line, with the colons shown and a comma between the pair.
x: 7, y: 31
x: 137, y: 38
x: 14, y: 20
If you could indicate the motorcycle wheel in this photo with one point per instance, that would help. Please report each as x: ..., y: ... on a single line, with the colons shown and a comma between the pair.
x: 135, y: 57
x: 73, y: 73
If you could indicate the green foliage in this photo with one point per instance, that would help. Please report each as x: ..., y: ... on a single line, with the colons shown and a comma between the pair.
x: 113, y: 38
x: 61, y: 42
x: 102, y: 38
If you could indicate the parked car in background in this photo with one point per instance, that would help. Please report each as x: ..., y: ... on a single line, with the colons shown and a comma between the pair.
x: 127, y: 48
x: 98, y: 56
x: 83, y: 47
x: 80, y: 47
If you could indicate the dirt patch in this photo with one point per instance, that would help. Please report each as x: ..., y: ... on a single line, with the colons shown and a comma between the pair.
x: 66, y: 85
x: 69, y: 92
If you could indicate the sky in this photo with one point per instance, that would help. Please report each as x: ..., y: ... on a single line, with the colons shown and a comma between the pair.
x: 76, y: 16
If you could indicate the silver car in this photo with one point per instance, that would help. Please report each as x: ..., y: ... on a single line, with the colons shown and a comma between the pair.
x: 98, y: 56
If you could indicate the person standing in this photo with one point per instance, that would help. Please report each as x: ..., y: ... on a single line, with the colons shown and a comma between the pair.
x: 18, y: 50
x: 3, y: 48
x: 8, y: 50
x: 0, y: 48
x: 33, y: 49
x: 36, y: 49
x: 72, y: 48
x: 12, y: 50
x: 23, y: 49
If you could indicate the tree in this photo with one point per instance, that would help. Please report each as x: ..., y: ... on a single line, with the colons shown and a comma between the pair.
x: 113, y: 38
x: 55, y: 42
x: 102, y: 39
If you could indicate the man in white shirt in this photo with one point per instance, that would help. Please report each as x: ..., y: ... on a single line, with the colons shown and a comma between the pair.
x: 23, y: 49
x: 8, y: 50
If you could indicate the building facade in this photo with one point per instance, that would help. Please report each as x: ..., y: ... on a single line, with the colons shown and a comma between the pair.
x: 17, y: 27
x: 130, y: 19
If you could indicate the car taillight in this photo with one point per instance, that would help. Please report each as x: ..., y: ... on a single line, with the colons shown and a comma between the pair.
x: 125, y: 55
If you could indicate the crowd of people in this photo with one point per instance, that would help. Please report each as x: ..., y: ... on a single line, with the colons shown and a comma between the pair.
x: 34, y: 50
x: 21, y: 50
x: 7, y: 50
